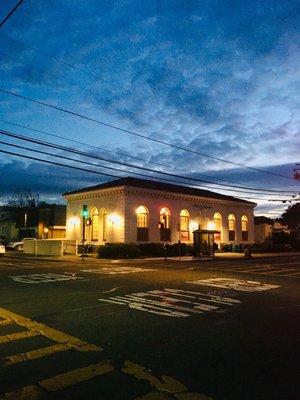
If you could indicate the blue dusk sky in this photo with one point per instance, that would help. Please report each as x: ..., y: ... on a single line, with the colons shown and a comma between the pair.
x: 220, y: 77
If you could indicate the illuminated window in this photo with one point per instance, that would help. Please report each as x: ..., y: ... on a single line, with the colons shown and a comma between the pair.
x: 104, y: 224
x: 95, y: 224
x: 231, y: 227
x: 164, y: 219
x: 142, y: 217
x: 244, y: 227
x: 184, y: 225
x: 218, y: 225
x: 142, y: 223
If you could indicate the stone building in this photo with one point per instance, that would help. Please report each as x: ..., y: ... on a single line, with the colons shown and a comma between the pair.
x: 130, y: 210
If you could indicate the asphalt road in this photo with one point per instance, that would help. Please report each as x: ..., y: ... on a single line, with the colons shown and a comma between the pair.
x: 150, y: 330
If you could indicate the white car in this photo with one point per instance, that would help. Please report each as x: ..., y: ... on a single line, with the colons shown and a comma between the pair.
x: 2, y: 249
x: 18, y: 245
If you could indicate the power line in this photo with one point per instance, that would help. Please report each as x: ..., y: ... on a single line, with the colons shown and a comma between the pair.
x: 58, y: 60
x: 82, y: 143
x: 87, y: 170
x: 69, y: 112
x: 111, y: 151
x: 80, y: 161
x: 126, y: 155
x: 75, y: 151
x: 56, y: 163
x: 10, y: 13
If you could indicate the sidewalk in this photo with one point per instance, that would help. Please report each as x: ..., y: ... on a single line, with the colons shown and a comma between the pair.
x: 72, y: 258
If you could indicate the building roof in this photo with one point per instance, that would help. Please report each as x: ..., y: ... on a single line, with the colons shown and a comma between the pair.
x: 156, y: 185
x: 261, y: 219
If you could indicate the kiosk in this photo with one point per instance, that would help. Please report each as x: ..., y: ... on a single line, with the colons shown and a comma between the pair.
x: 204, y: 242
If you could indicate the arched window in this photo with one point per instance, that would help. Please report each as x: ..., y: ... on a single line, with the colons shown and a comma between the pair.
x: 184, y: 225
x: 164, y: 219
x: 104, y: 224
x: 244, y: 221
x: 231, y: 227
x: 218, y: 225
x: 142, y: 223
x: 95, y: 224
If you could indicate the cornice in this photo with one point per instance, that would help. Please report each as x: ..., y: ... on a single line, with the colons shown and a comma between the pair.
x: 180, y: 197
x: 124, y: 191
x: 95, y: 194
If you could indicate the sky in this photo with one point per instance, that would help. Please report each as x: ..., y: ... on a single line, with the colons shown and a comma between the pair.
x: 218, y: 77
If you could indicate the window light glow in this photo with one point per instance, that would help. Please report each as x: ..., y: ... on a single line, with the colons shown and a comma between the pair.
x: 114, y: 219
x: 194, y: 225
x: 211, y: 226
x: 73, y: 221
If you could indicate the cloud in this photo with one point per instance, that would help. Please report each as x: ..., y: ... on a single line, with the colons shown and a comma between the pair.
x: 221, y: 78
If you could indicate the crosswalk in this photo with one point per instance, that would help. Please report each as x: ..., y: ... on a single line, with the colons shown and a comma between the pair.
x: 73, y: 377
x: 284, y: 270
x: 172, y: 302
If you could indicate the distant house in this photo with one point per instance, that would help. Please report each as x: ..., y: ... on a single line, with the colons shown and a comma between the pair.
x: 52, y: 222
x: 270, y: 231
x: 8, y: 223
x: 133, y: 210
x: 43, y: 222
x: 264, y: 228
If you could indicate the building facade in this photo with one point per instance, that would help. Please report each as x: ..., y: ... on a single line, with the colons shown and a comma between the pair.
x: 131, y: 210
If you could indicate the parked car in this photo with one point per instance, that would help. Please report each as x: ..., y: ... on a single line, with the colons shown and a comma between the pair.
x: 2, y: 249
x: 18, y: 245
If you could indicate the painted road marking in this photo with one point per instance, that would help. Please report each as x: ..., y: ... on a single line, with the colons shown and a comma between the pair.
x: 164, y: 385
x: 172, y: 302
x: 43, y: 278
x: 17, y: 336
x: 70, y: 378
x: 259, y: 269
x: 37, y: 328
x: 35, y: 354
x: 117, y: 270
x: 235, y: 284
x: 40, y: 389
x: 59, y: 382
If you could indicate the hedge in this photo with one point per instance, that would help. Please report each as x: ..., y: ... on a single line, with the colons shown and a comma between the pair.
x: 124, y: 250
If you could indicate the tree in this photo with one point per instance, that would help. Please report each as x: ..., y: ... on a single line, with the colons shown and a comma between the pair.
x: 291, y: 216
x: 23, y: 198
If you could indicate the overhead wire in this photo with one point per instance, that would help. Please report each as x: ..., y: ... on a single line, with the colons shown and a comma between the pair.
x: 90, y: 119
x: 88, y: 170
x: 237, y: 188
x: 81, y: 143
x: 6, y: 18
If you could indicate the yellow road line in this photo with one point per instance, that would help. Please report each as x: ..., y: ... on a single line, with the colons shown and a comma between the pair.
x: 70, y: 378
x: 17, y: 336
x: 192, y: 396
x: 48, y: 332
x: 166, y: 384
x: 59, y: 382
x: 4, y: 322
x: 153, y: 396
x: 26, y: 393
x: 34, y: 354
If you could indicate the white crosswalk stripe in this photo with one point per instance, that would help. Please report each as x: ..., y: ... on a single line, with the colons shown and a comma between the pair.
x: 259, y: 269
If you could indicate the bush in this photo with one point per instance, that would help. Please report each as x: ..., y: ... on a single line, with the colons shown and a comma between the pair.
x: 119, y: 250
x: 124, y: 250
x: 151, y: 249
x: 270, y: 248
